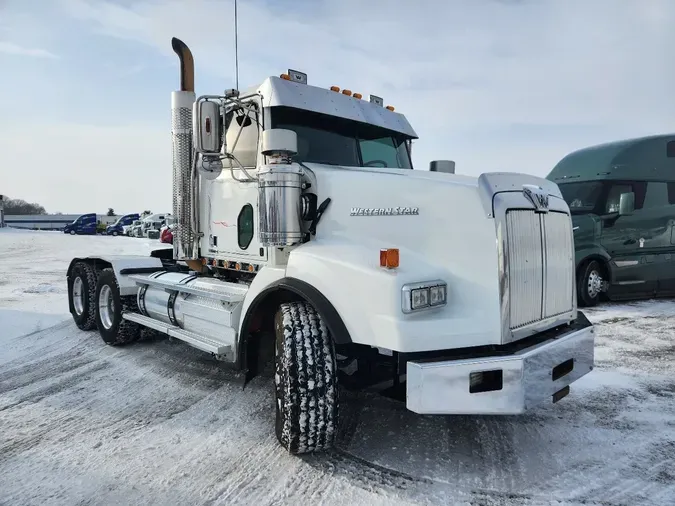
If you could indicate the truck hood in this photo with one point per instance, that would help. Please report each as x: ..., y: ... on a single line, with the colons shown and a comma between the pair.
x: 442, y: 225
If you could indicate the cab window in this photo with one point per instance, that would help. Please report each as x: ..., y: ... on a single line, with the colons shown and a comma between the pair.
x: 615, y: 191
x: 384, y: 152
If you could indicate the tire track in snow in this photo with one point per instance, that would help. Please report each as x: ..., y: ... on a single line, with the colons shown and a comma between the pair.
x: 25, y: 436
x: 652, y: 474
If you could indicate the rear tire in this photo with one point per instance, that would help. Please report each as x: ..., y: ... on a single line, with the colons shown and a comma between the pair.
x: 110, y: 305
x: 82, y: 295
x: 306, y: 389
x: 589, y: 283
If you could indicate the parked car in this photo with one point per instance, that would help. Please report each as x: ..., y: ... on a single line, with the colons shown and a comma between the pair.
x: 166, y: 234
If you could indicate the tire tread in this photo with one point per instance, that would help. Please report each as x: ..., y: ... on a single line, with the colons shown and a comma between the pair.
x: 306, y: 380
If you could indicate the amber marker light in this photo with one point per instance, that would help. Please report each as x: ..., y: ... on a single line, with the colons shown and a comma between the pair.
x: 389, y: 258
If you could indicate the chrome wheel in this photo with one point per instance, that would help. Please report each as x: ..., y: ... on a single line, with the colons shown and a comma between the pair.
x: 78, y: 296
x: 594, y: 283
x: 106, y: 307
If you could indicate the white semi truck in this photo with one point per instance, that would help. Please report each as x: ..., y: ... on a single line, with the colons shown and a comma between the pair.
x: 301, y: 229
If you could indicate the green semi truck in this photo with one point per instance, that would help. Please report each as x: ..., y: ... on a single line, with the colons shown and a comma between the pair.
x: 622, y: 199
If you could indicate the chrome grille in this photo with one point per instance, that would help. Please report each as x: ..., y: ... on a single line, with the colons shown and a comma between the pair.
x: 559, y: 282
x: 540, y: 266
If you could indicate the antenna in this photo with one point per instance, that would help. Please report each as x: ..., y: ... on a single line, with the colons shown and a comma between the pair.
x: 236, y: 48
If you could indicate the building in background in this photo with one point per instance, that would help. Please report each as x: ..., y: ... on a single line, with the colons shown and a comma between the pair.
x: 50, y: 221
x: 2, y: 211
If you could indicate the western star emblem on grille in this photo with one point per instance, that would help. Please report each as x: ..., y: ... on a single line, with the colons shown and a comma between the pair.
x: 538, y: 196
x: 384, y: 211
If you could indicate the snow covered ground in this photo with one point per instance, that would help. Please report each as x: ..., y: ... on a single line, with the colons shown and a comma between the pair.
x: 160, y: 423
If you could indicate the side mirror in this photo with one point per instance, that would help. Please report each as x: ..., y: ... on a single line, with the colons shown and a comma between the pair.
x: 207, y: 127
x: 626, y: 204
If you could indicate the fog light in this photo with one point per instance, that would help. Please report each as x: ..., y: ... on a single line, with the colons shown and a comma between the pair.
x: 420, y: 298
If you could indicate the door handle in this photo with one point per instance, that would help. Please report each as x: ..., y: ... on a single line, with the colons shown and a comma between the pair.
x: 629, y: 241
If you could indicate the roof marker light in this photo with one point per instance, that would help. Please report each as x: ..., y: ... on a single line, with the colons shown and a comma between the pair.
x: 334, y: 88
x: 390, y: 107
x: 285, y: 76
x: 357, y: 95
x: 347, y: 92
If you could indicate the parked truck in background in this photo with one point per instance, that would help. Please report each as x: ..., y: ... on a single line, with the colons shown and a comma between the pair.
x: 303, y: 232
x: 117, y: 228
x: 622, y: 199
x: 131, y: 229
x: 85, y: 224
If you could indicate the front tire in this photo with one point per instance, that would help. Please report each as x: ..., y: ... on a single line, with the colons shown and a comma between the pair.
x: 82, y: 295
x: 306, y: 389
x: 589, y: 284
x: 110, y: 305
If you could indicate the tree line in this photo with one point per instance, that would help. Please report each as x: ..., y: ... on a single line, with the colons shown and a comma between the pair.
x: 20, y: 206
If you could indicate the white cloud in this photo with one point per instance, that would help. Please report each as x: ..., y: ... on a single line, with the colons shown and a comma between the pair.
x: 15, y: 49
x: 508, y: 85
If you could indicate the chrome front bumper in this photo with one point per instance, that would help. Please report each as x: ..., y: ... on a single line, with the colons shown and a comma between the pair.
x: 507, y: 384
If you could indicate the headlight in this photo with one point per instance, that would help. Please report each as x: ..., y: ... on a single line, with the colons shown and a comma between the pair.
x: 423, y: 295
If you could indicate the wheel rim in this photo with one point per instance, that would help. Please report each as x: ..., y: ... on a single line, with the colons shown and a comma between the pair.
x: 594, y: 283
x: 78, y: 296
x: 106, y: 307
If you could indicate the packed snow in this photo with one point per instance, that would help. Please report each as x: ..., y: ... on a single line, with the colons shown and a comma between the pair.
x: 160, y: 423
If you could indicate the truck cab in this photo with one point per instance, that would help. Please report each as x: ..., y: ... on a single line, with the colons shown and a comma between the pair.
x: 150, y: 223
x: 117, y: 228
x: 304, y: 240
x: 621, y: 197
x: 85, y: 224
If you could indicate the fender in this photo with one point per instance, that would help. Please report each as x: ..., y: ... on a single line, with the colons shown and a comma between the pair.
x: 593, y: 252
x: 122, y: 265
x: 331, y: 317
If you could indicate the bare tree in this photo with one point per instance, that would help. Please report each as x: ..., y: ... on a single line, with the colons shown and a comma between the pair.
x: 19, y: 206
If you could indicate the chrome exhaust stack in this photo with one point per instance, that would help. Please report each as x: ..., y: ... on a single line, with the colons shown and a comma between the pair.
x: 185, y: 176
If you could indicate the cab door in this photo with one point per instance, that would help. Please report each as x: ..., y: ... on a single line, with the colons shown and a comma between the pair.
x: 659, y: 237
x: 231, y: 207
x: 624, y: 238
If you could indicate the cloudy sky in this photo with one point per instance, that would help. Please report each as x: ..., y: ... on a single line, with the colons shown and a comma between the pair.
x: 492, y: 84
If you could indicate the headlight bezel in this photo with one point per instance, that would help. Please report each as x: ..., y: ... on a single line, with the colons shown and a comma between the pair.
x: 410, y: 290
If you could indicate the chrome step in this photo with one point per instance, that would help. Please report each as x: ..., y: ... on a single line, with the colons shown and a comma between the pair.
x: 235, y: 292
x: 198, y: 341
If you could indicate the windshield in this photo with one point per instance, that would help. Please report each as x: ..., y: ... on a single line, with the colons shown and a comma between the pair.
x: 582, y: 197
x: 337, y: 141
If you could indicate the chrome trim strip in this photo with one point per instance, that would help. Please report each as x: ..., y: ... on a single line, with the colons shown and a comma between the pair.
x: 625, y: 263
